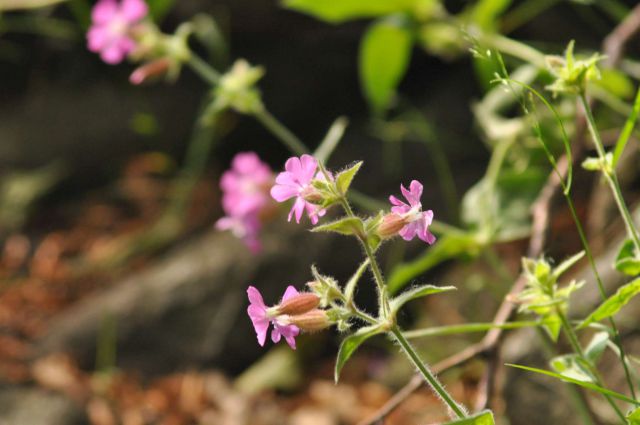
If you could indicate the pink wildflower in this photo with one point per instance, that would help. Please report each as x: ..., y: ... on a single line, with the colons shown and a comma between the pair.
x: 112, y: 22
x: 244, y: 198
x: 295, y: 182
x: 417, y: 221
x: 261, y: 316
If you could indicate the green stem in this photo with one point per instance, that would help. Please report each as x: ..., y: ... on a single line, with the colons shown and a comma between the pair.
x: 467, y: 328
x: 513, y: 48
x: 290, y: 140
x: 610, y: 174
x: 203, y: 69
x: 427, y: 374
x: 577, y: 348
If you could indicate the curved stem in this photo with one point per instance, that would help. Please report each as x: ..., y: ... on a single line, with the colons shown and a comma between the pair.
x: 427, y: 374
x: 203, y: 69
x: 290, y: 140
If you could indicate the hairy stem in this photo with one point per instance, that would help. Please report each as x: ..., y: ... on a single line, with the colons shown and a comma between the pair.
x: 427, y: 374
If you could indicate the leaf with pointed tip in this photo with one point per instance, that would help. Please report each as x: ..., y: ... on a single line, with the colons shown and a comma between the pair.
x: 483, y: 418
x: 583, y: 384
x: 345, y: 177
x: 627, y: 261
x: 634, y: 417
x: 566, y: 264
x: 350, y: 287
x: 344, y: 226
x: 350, y: 344
x: 417, y: 292
x: 339, y: 11
x: 569, y: 365
x: 614, y: 303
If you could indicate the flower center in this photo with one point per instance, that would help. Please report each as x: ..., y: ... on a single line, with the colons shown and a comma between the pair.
x: 414, y: 214
x: 118, y: 26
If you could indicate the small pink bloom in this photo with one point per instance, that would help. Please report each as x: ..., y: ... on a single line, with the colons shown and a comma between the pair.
x: 418, y: 221
x: 261, y: 316
x: 244, y: 187
x: 112, y: 21
x: 295, y: 182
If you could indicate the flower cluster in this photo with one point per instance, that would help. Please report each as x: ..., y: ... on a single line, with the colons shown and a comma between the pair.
x: 245, y: 197
x: 112, y: 24
x: 296, y: 311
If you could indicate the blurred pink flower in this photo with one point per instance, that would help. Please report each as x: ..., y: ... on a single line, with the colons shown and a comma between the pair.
x: 244, y: 197
x: 417, y: 221
x: 261, y: 316
x: 112, y: 21
x: 295, y: 182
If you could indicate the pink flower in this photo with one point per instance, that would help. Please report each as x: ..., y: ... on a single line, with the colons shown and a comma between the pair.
x: 261, y: 316
x: 109, y: 34
x: 245, y: 197
x: 295, y: 182
x: 417, y: 221
x: 245, y: 184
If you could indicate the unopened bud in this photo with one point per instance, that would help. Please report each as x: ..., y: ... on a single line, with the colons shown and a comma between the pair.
x: 391, y: 224
x: 155, y: 69
x: 311, y: 321
x: 299, y: 304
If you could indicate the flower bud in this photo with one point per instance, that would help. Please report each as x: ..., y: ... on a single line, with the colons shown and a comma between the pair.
x: 154, y: 69
x: 311, y: 321
x: 298, y: 304
x: 391, y: 224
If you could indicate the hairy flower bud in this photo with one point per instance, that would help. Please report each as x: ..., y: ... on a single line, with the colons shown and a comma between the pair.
x: 155, y: 69
x: 310, y: 321
x: 391, y: 224
x: 298, y: 304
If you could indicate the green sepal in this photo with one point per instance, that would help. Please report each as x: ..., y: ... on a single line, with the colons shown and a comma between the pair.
x: 628, y: 261
x: 350, y: 287
x: 350, y: 344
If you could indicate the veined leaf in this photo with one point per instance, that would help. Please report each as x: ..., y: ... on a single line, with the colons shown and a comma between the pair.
x: 614, y: 303
x: 345, y: 177
x: 385, y: 51
x: 344, y: 226
x: 350, y: 344
x: 583, y: 384
x: 483, y: 418
x: 597, y: 346
x: 417, y: 292
x: 634, y: 417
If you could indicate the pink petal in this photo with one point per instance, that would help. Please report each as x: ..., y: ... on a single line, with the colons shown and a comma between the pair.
x: 255, y: 298
x: 133, y: 10
x: 104, y: 11
x: 112, y: 54
x: 413, y: 195
x: 409, y: 231
x: 290, y: 292
x: 396, y: 201
x: 297, y: 209
x: 282, y: 193
x: 97, y: 38
x: 275, y: 334
x: 309, y: 166
x: 286, y: 178
x: 293, y: 166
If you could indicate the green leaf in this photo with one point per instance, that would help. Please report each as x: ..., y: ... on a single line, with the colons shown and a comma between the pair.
x: 385, y: 51
x: 486, y: 13
x: 570, y: 366
x: 567, y: 264
x: 350, y: 344
x: 449, y: 246
x: 634, y: 417
x: 583, y: 384
x: 616, y: 83
x: 344, y: 226
x: 483, y: 418
x: 627, y: 261
x: 417, y: 292
x: 345, y: 177
x: 158, y: 9
x: 26, y: 4
x: 614, y: 303
x: 596, y: 346
x: 552, y: 325
x: 336, y: 11
x: 350, y: 287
